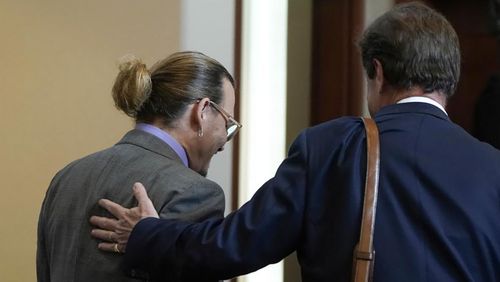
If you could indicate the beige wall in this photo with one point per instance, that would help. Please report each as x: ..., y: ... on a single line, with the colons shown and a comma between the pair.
x: 58, y: 62
x: 298, y: 68
x: 298, y: 90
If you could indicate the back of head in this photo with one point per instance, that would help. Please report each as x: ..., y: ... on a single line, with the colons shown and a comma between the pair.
x: 169, y: 87
x: 416, y: 46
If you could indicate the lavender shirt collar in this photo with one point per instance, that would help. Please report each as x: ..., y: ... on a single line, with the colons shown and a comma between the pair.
x: 165, y: 137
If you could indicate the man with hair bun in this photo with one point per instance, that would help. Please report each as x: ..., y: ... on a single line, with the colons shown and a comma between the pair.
x: 183, y: 109
x: 438, y: 205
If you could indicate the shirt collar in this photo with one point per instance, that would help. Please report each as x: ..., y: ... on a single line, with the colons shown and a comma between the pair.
x: 165, y: 137
x: 421, y: 99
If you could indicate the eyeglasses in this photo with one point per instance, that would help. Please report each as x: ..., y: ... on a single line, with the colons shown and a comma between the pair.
x: 232, y: 126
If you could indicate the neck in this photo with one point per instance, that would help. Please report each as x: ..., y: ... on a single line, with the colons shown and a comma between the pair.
x: 395, y: 96
x: 176, y: 132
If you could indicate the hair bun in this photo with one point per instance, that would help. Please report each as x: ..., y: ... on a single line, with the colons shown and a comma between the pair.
x: 132, y: 85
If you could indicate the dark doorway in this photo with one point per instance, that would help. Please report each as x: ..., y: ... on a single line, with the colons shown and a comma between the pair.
x: 337, y: 77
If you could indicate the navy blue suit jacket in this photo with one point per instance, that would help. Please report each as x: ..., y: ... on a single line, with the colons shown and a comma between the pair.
x: 438, y: 216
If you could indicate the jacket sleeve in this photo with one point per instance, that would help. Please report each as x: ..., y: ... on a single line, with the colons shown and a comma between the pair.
x: 261, y: 232
x: 42, y: 260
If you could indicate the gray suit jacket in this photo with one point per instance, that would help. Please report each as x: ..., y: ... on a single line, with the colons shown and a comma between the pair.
x: 66, y: 252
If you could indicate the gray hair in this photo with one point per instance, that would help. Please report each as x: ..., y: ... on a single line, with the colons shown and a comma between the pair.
x: 416, y: 46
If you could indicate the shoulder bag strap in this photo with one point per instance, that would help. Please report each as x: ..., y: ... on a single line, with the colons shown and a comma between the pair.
x: 364, y: 253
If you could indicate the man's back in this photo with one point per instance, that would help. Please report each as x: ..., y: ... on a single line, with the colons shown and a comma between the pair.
x: 438, y: 203
x: 66, y: 251
x: 449, y: 208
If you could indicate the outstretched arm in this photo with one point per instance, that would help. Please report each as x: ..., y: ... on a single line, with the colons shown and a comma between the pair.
x: 261, y: 232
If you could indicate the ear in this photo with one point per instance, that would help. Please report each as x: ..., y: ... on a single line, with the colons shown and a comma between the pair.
x: 199, y: 114
x: 379, y: 76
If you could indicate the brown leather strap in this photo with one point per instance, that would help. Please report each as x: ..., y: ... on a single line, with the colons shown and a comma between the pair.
x: 364, y: 253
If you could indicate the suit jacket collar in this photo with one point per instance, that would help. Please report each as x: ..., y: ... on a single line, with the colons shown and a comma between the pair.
x: 151, y: 143
x: 422, y: 108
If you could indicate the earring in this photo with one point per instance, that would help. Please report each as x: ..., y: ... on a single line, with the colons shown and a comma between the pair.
x: 200, y: 132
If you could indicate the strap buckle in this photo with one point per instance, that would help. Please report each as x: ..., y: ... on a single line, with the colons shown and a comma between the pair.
x: 360, y: 255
